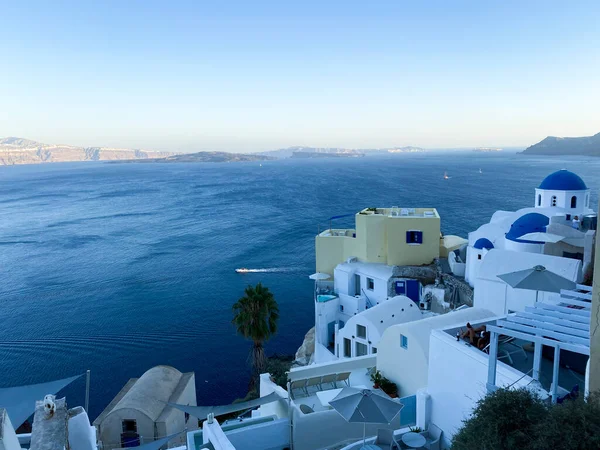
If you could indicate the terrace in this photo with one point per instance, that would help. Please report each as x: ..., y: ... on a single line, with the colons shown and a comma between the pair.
x: 528, y: 342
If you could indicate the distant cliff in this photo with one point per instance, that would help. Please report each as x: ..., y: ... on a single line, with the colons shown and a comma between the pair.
x: 586, y: 146
x: 319, y: 152
x: 24, y: 151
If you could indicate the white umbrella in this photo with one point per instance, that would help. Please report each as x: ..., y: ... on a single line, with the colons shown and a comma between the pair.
x: 365, y: 406
x: 319, y: 276
x: 542, y: 237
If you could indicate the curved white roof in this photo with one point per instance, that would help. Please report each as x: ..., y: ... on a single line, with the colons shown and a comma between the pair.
x: 151, y: 391
x: 419, y: 331
x: 498, y: 262
x: 396, y: 310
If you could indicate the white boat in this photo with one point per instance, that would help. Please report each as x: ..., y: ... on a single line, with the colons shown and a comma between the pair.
x: 242, y: 270
x: 446, y: 177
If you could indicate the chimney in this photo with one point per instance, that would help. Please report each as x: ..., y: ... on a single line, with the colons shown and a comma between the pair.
x: 50, y: 425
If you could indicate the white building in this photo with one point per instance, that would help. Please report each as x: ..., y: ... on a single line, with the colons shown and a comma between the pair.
x: 364, y: 299
x: 140, y: 414
x: 403, y: 354
x: 494, y: 294
x: 560, y: 198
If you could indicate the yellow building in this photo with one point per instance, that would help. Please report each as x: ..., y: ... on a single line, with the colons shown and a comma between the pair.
x: 392, y: 236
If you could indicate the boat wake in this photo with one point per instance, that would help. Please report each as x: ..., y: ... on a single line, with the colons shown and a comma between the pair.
x: 268, y: 270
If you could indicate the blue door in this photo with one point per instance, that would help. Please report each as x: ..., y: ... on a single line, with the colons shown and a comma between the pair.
x: 400, y: 287
x: 413, y: 290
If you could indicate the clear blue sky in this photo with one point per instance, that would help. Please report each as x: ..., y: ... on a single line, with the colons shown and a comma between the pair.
x: 248, y: 75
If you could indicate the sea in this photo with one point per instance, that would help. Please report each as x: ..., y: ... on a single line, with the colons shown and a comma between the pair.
x: 117, y: 268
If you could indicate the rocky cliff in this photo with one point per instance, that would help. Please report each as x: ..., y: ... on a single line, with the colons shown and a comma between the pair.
x: 24, y: 151
x: 586, y: 146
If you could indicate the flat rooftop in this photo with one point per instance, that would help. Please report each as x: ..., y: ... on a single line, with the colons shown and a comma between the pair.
x: 397, y: 211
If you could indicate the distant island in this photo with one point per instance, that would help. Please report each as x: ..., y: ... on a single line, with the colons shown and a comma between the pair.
x: 585, y: 146
x: 336, y: 152
x: 14, y: 150
x: 326, y: 155
x: 487, y: 150
x: 213, y: 157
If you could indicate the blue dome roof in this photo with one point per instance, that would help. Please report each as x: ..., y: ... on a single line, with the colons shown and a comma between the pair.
x: 528, y: 223
x: 563, y: 180
x: 483, y: 243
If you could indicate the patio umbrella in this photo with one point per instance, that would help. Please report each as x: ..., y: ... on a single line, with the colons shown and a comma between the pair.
x: 365, y: 406
x: 542, y: 237
x: 537, y: 278
x: 319, y: 276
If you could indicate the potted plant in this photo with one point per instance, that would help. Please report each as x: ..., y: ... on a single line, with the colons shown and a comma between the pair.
x: 376, y: 378
x: 389, y: 387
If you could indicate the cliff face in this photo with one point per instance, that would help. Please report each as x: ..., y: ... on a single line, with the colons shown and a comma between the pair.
x: 24, y: 151
x: 586, y: 146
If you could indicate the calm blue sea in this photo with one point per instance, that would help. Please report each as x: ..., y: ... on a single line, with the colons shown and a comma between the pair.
x: 119, y: 267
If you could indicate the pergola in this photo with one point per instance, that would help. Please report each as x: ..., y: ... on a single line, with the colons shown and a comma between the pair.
x: 563, y: 326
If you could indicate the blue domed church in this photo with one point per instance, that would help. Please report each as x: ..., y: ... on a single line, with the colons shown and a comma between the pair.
x: 560, y: 224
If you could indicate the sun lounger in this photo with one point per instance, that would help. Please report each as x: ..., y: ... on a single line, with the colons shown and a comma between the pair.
x: 345, y: 377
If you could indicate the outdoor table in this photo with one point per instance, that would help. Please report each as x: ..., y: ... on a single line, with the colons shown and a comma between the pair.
x: 413, y: 439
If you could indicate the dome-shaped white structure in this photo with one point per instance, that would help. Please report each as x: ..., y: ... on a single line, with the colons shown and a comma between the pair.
x: 563, y: 189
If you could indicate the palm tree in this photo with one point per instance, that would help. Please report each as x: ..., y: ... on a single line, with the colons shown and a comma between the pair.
x: 255, y: 317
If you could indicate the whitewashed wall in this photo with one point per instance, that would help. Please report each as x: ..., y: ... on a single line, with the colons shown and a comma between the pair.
x: 457, y: 379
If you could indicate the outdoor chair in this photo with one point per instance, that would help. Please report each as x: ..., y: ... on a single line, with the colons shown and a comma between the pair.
x: 345, y: 377
x: 314, y: 381
x: 328, y: 379
x: 306, y: 409
x: 433, y: 436
x: 502, y: 352
x: 385, y: 439
x: 298, y: 384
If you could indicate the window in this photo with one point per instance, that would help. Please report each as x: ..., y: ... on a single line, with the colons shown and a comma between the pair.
x: 414, y: 237
x: 361, y: 331
x: 574, y: 201
x: 187, y: 417
x: 341, y: 308
x: 479, y: 256
x: 370, y: 284
x: 347, y: 348
x: 553, y: 200
x: 568, y: 217
x: 361, y: 349
x: 587, y: 200
x: 403, y: 341
x: 129, y: 426
x: 539, y: 199
x: 373, y: 350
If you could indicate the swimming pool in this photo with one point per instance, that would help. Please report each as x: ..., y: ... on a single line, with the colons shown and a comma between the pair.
x: 325, y: 298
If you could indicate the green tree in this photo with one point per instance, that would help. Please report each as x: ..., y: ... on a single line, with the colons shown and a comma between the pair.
x: 504, y: 419
x: 255, y: 318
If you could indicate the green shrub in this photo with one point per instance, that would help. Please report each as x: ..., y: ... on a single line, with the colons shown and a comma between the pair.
x: 504, y: 419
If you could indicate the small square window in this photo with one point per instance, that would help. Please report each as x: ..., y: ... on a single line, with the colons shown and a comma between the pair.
x: 370, y: 284
x: 478, y: 256
x: 414, y: 237
x: 361, y: 349
x: 373, y: 350
x: 403, y: 341
x: 361, y: 331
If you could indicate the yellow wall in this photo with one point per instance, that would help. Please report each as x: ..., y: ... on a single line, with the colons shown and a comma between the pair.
x: 400, y: 253
x: 381, y: 239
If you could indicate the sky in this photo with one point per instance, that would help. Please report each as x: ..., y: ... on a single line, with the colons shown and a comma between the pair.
x: 252, y: 75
